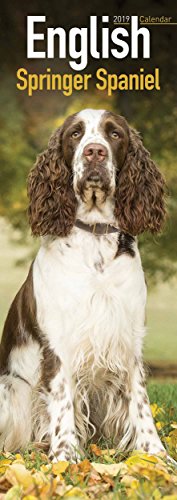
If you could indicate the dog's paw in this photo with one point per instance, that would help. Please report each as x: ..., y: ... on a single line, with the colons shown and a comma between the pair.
x: 69, y: 455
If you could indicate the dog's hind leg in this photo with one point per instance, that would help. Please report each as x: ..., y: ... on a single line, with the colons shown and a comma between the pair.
x: 16, y: 387
x: 15, y: 413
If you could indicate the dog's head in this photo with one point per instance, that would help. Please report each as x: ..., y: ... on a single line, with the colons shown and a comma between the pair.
x: 94, y: 156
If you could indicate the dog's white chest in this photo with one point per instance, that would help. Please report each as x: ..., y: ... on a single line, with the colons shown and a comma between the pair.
x: 85, y: 297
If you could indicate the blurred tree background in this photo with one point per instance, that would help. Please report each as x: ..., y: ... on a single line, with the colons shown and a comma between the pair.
x: 27, y: 122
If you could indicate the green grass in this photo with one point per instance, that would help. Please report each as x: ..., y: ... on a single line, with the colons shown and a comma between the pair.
x: 161, y: 339
x: 164, y: 394
x: 11, y: 274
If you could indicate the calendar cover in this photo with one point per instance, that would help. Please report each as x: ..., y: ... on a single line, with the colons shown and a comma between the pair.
x: 88, y: 143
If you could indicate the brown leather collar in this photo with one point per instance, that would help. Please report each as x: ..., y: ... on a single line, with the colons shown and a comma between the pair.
x: 97, y: 228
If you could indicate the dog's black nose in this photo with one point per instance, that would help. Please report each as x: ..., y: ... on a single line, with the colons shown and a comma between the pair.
x: 95, y: 151
x: 93, y: 177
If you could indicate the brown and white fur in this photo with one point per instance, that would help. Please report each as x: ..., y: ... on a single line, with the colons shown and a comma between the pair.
x: 71, y: 351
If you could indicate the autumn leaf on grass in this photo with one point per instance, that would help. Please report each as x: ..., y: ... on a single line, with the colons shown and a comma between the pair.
x: 156, y: 410
x: 150, y: 467
x: 84, y: 466
x: 59, y: 467
x: 130, y: 481
x: 156, y: 475
x: 47, y: 468
x: 160, y: 425
x: 18, y: 456
x: 18, y: 474
x: 108, y: 451
x: 157, y: 495
x: 174, y: 425
x: 93, y: 477
x: 75, y: 493
x: 15, y: 493
x: 106, y: 454
x: 137, y: 457
x: 81, y: 468
x: 173, y: 436
x: 101, y: 491
x: 108, y: 479
x: 62, y: 488
x: 171, y: 442
x: 111, y: 469
x: 170, y: 497
x: 4, y: 463
x: 108, y: 459
x: 31, y: 497
x: 95, y: 450
x: 78, y: 472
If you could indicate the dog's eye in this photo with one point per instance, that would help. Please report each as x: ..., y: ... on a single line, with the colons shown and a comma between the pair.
x: 76, y: 134
x: 115, y: 134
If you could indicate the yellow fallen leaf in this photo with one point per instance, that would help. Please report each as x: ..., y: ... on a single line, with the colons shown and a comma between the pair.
x: 4, y: 464
x: 76, y: 492
x: 84, y: 466
x: 130, y: 481
x: 15, y: 493
x: 5, y: 461
x: 174, y: 425
x: 61, y: 489
x: 18, y: 474
x: 96, y: 450
x: 111, y: 469
x: 156, y: 410
x: 160, y: 425
x: 168, y: 439
x: 40, y: 478
x: 8, y: 455
x: 141, y: 458
x: 173, y: 435
x: 45, y: 487
x: 108, y: 459
x: 170, y: 497
x: 152, y: 472
x: 29, y: 497
x: 59, y: 467
x: 46, y: 468
x: 156, y: 494
x: 18, y: 456
x: 19, y: 461
x: 109, y: 452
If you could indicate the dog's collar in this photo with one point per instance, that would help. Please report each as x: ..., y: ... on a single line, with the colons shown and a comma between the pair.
x: 97, y: 228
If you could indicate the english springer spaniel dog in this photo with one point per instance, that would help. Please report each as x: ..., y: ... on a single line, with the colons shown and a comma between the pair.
x: 71, y: 365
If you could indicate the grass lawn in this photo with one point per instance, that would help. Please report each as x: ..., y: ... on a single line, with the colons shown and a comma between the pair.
x: 165, y: 395
x: 161, y: 339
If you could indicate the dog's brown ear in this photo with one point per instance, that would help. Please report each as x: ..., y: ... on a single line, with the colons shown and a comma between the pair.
x: 52, y: 206
x: 140, y: 204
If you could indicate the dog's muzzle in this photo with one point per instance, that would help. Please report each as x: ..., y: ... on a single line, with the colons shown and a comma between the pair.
x: 95, y: 181
x: 94, y: 158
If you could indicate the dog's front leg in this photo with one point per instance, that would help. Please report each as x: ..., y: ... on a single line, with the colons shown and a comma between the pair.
x: 62, y: 432
x: 146, y: 436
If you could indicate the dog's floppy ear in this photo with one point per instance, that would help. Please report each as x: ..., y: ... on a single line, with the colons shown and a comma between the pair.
x: 140, y: 190
x: 52, y: 205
